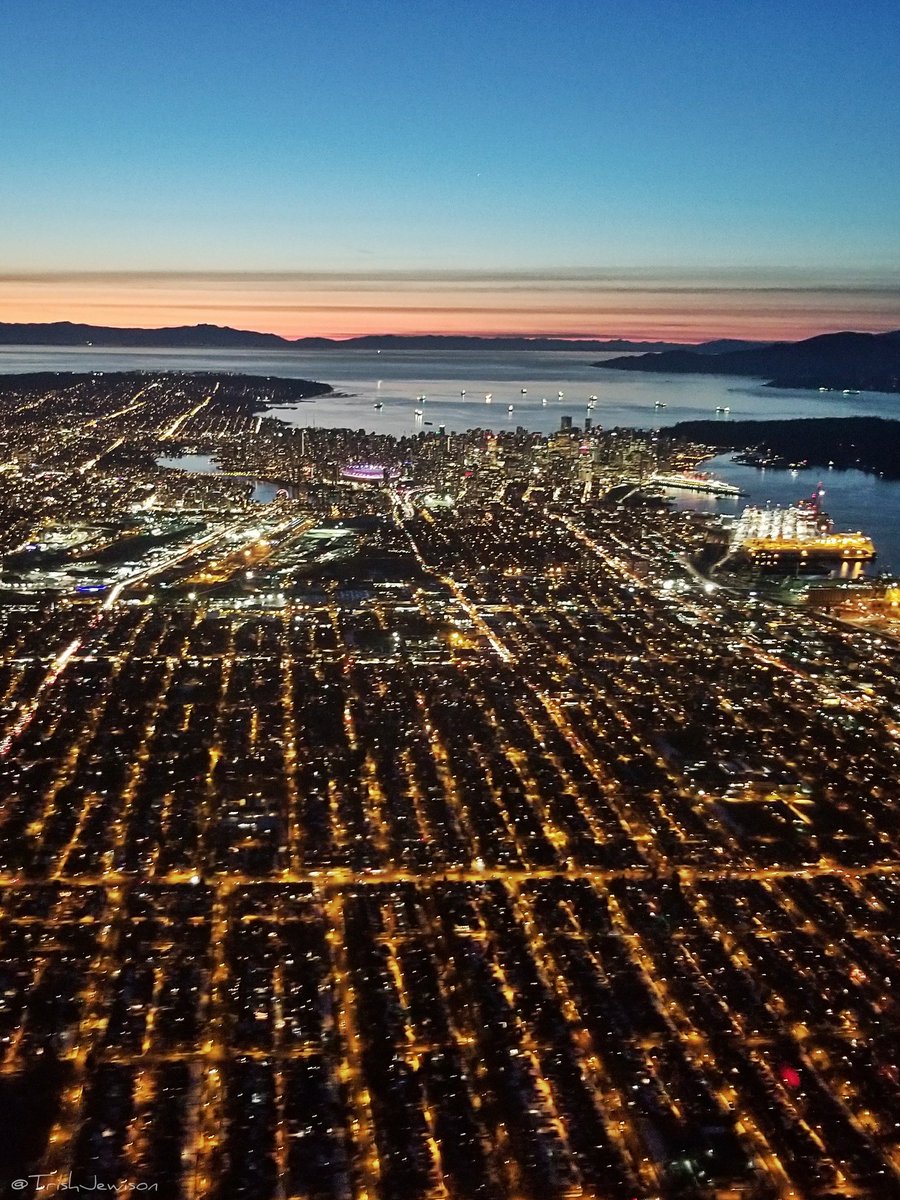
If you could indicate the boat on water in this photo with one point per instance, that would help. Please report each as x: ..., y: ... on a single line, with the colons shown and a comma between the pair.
x: 851, y: 391
x: 697, y: 481
x: 660, y: 404
x: 722, y: 408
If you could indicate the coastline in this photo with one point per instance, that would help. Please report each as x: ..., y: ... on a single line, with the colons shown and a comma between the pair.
x: 867, y: 444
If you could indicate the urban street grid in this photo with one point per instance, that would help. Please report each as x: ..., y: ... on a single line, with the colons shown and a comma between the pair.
x: 436, y: 830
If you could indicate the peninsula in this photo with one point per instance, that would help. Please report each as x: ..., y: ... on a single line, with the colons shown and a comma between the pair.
x: 863, y: 443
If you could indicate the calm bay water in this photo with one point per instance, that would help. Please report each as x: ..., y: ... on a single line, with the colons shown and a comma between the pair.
x: 204, y: 464
x: 396, y: 378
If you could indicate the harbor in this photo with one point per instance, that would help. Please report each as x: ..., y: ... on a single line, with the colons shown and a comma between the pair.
x: 798, y: 538
x: 697, y: 481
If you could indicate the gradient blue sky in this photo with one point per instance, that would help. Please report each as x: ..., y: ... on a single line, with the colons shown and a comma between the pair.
x: 359, y: 138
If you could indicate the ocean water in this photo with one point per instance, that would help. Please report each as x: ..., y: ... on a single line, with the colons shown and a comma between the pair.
x: 396, y: 378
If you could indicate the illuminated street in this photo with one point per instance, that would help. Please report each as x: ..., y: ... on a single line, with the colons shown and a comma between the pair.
x: 440, y: 830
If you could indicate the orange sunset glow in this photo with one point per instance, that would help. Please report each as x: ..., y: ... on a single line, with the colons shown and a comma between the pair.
x: 637, y: 305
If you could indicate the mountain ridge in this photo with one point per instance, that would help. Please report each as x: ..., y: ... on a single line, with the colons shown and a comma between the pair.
x: 220, y: 337
x: 833, y: 361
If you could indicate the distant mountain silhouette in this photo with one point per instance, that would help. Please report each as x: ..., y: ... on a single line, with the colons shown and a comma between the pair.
x: 856, y: 361
x: 436, y: 341
x: 190, y: 337
x: 726, y: 345
x: 219, y: 337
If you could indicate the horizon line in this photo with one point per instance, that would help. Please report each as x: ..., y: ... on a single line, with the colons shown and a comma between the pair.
x: 675, y: 306
x: 567, y: 336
